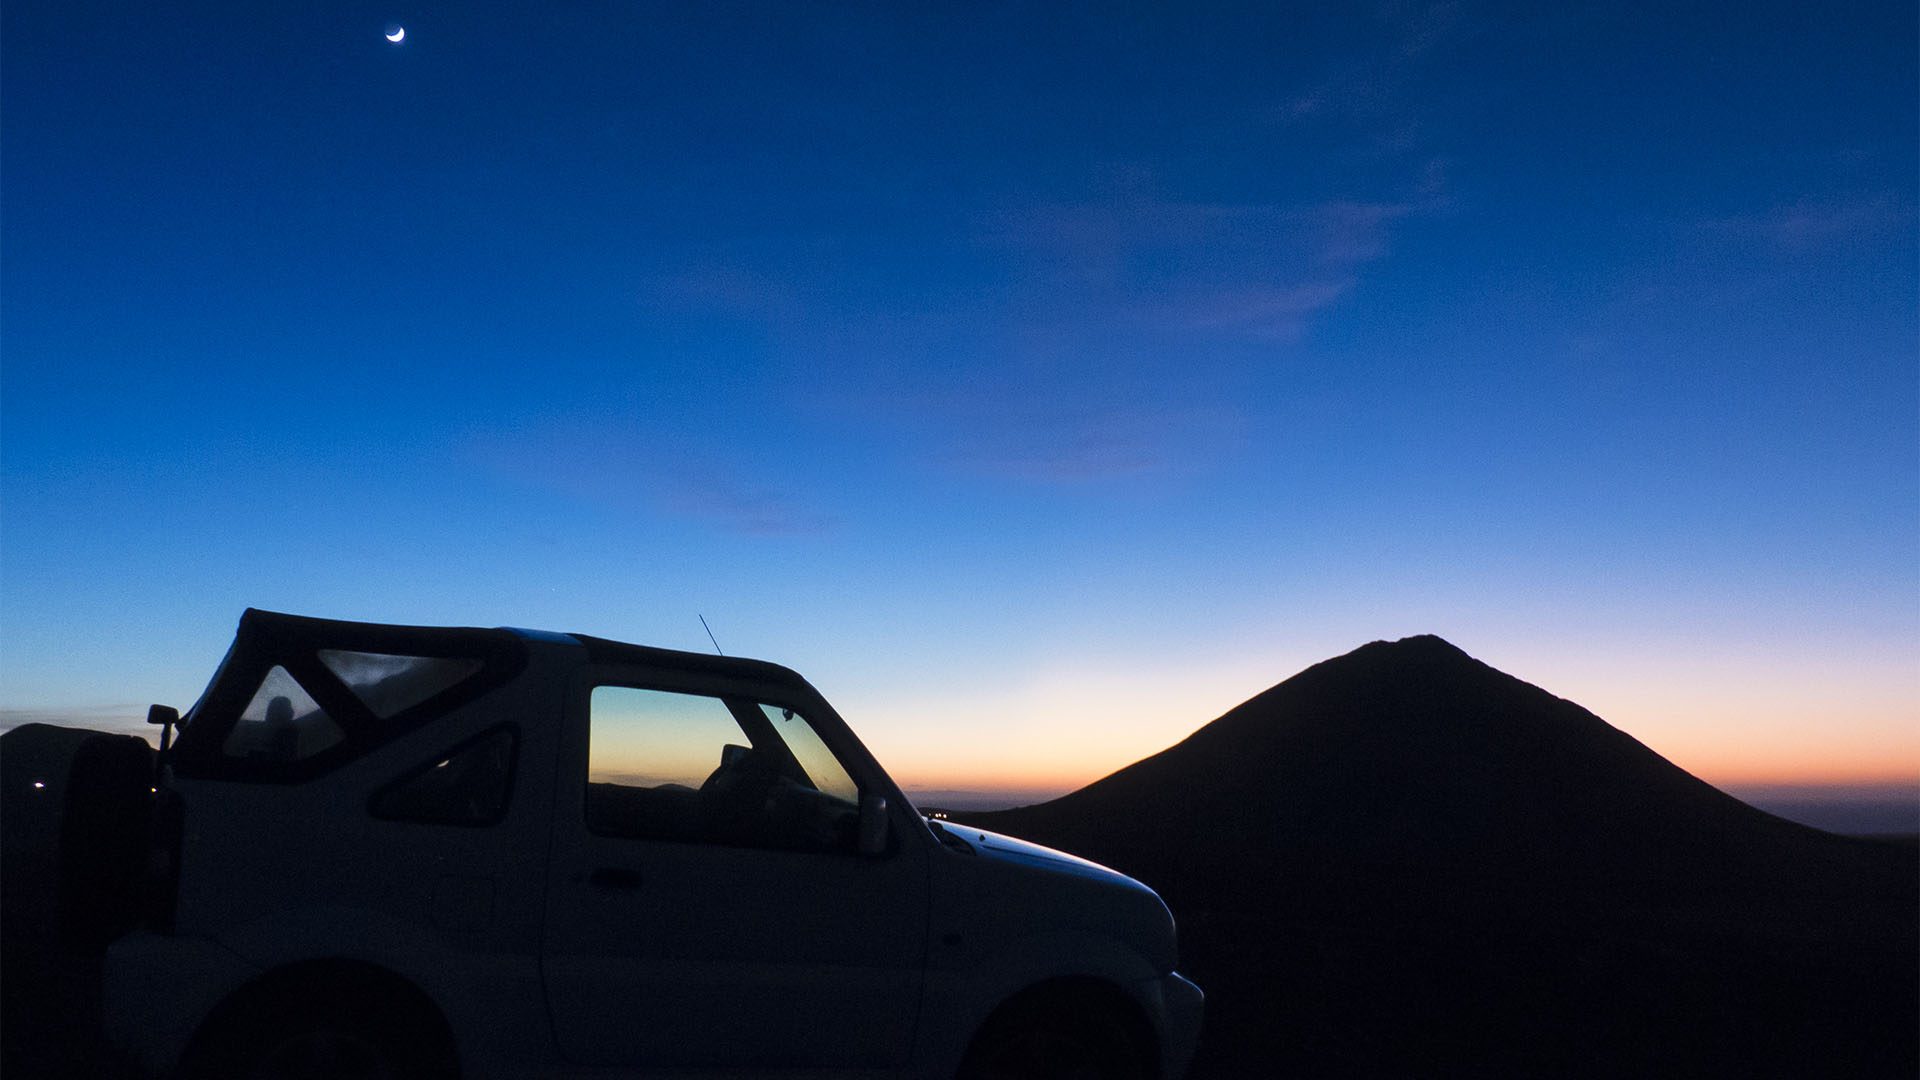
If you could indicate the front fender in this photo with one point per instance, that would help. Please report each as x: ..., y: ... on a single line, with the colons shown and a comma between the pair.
x: 966, y: 995
x: 157, y: 989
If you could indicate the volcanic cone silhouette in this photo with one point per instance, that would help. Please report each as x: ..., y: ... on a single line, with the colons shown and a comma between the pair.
x: 1414, y: 755
x: 1402, y: 862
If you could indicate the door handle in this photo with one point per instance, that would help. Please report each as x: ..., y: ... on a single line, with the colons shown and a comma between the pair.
x: 614, y: 877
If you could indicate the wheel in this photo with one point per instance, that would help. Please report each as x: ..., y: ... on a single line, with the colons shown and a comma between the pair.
x: 323, y: 1052
x: 106, y: 826
x: 1056, y: 1038
x: 322, y: 1034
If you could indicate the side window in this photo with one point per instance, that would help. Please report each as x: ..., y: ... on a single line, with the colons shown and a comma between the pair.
x: 388, y: 685
x: 699, y: 769
x: 470, y: 786
x: 281, y: 723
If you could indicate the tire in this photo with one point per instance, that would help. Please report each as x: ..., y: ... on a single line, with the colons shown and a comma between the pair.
x: 106, y: 826
x: 323, y: 1035
x: 1056, y: 1038
x: 324, y: 1052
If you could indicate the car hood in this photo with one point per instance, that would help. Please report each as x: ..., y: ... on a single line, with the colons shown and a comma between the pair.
x: 995, y: 845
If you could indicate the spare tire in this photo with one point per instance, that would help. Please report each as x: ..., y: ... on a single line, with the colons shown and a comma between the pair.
x: 79, y: 808
x: 105, y: 834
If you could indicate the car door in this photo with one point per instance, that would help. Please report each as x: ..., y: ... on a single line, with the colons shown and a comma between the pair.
x: 707, y: 905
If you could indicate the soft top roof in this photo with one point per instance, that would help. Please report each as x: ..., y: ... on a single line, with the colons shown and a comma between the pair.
x: 277, y: 630
x: 272, y: 629
x: 604, y: 651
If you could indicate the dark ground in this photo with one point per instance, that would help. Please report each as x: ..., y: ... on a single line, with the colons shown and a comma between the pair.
x: 1377, y: 988
x: 1365, y: 994
x: 1473, y: 986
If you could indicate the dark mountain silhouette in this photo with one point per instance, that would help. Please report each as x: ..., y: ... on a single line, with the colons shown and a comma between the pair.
x: 1404, y: 862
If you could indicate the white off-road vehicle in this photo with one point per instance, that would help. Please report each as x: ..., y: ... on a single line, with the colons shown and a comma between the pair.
x: 387, y: 851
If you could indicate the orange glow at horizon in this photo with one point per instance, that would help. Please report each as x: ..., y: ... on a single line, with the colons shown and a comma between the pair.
x: 1773, y: 765
x: 1779, y: 714
x: 1731, y: 724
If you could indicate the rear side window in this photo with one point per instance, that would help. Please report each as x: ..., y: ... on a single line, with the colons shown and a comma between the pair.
x: 469, y: 786
x: 282, y: 723
x: 297, y: 698
x: 388, y: 684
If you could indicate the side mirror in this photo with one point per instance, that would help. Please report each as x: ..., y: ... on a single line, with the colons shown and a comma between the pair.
x: 168, y: 718
x: 873, y: 825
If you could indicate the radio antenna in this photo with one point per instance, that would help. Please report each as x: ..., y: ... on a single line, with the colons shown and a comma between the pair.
x: 710, y: 637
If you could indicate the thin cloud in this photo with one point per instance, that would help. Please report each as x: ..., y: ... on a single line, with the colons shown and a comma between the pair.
x: 731, y: 287
x: 1133, y: 326
x: 736, y: 506
x: 650, y: 471
x: 1072, y: 457
x: 1420, y: 28
x: 1813, y: 224
x: 1351, y: 232
x: 1103, y: 339
x: 1366, y: 95
x: 1371, y: 83
x: 1095, y: 447
x: 1278, y: 313
x: 1147, y: 251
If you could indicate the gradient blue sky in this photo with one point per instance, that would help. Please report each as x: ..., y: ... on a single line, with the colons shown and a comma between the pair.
x: 1039, y: 379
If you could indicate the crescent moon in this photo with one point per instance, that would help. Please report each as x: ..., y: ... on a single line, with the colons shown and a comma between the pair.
x: 398, y: 33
